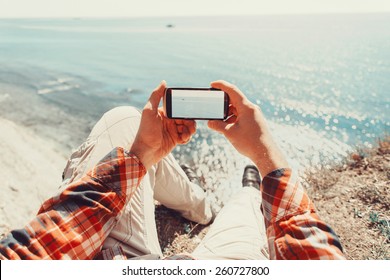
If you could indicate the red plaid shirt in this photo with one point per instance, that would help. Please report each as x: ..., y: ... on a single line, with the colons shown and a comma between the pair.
x: 74, y: 224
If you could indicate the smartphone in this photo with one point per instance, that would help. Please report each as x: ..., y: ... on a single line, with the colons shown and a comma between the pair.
x: 196, y: 103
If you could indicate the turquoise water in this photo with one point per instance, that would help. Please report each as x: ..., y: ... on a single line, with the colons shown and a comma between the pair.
x: 323, y: 81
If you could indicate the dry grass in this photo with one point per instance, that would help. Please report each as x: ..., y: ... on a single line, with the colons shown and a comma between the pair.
x: 356, y: 201
x: 354, y: 198
x: 176, y: 234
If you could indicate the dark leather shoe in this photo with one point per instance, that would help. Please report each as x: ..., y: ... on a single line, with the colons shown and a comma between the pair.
x: 191, y: 174
x: 251, y: 177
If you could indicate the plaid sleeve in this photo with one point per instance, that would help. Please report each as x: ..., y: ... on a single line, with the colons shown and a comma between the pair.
x: 74, y: 224
x: 294, y: 229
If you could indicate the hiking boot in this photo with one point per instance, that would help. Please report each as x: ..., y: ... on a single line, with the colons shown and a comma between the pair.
x: 251, y: 177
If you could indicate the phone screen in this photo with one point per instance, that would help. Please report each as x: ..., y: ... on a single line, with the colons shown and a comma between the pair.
x: 198, y: 104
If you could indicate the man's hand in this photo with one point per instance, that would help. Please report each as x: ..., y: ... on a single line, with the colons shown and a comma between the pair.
x: 247, y: 130
x: 158, y: 135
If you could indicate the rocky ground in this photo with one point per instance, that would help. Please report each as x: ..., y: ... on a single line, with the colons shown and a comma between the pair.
x: 353, y: 197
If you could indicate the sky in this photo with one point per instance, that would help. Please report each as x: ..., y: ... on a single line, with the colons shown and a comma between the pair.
x: 163, y: 8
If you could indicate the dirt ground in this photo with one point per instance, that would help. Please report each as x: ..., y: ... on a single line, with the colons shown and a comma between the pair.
x: 353, y: 197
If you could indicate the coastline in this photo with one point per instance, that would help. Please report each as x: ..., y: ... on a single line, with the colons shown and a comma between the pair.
x: 43, y: 129
x: 30, y: 172
x: 37, y: 137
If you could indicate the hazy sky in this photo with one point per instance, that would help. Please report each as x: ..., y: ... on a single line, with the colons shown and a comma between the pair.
x: 130, y: 8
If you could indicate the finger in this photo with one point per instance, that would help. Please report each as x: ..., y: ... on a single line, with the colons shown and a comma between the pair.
x: 232, y: 110
x: 191, y: 125
x: 186, y: 130
x: 161, y: 112
x: 219, y: 126
x: 231, y: 119
x: 186, y: 142
x: 186, y: 135
x: 171, y: 127
x: 180, y: 128
x: 235, y: 95
x: 155, y: 97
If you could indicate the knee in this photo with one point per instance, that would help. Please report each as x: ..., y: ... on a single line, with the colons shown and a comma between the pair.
x: 122, y: 112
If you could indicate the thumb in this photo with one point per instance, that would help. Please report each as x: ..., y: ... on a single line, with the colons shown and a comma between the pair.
x: 156, y: 96
x: 219, y: 126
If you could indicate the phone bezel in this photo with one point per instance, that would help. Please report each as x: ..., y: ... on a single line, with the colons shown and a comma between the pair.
x: 168, y: 102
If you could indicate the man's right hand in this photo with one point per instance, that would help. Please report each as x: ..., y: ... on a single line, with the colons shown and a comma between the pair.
x: 157, y: 135
x: 247, y: 130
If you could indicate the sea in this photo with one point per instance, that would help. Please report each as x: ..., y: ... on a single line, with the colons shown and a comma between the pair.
x: 322, y: 81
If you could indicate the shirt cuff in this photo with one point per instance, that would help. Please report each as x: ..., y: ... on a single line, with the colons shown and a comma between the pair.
x: 283, y: 196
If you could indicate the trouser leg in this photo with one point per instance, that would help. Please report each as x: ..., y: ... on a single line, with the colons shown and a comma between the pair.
x: 136, y: 230
x: 238, y: 231
x: 174, y: 190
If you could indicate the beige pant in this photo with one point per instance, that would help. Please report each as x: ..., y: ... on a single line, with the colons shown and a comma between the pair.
x: 237, y: 233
